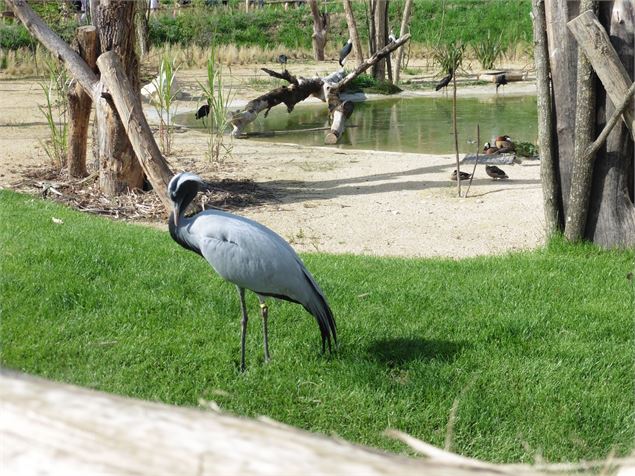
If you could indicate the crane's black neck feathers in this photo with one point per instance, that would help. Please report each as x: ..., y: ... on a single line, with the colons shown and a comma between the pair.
x: 176, y: 236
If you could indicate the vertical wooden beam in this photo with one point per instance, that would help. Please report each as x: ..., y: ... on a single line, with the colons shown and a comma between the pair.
x: 546, y: 125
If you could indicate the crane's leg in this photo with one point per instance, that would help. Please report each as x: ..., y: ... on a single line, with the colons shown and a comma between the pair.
x: 243, y: 327
x: 264, y: 310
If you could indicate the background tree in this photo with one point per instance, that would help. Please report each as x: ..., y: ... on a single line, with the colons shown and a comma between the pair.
x: 320, y: 27
x: 353, y: 32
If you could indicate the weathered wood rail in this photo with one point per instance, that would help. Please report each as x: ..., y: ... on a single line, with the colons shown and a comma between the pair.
x: 53, y: 428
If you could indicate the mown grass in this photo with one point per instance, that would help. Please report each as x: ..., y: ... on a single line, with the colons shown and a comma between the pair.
x: 536, y: 347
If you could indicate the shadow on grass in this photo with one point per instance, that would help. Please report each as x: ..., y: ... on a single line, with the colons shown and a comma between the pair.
x: 401, y: 350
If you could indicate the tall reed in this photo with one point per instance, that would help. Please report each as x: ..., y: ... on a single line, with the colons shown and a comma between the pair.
x: 163, y: 101
x: 218, y: 97
x: 55, y: 111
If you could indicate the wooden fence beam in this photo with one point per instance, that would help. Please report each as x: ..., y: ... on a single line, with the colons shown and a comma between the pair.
x: 595, y: 42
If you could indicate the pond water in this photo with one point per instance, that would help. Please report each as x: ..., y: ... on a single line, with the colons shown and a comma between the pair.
x: 420, y: 125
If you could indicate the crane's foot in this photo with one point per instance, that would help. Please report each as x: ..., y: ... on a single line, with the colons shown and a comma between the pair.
x: 264, y: 311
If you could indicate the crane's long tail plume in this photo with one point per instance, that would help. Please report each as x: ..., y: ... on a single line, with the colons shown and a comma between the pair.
x: 320, y: 309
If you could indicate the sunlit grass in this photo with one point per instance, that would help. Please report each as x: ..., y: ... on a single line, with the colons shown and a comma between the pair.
x: 536, y: 347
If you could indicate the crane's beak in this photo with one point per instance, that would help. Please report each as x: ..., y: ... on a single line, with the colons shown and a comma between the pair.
x: 176, y: 212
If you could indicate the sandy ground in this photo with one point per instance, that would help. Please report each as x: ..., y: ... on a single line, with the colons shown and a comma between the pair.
x: 331, y: 200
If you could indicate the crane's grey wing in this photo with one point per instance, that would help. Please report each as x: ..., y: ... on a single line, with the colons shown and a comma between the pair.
x: 254, y: 257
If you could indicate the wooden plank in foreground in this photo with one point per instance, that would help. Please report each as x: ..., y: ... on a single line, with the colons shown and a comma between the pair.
x: 53, y: 428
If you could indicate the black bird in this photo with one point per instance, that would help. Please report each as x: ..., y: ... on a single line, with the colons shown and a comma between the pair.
x: 445, y: 81
x: 250, y: 256
x: 202, y: 112
x: 501, y: 80
x: 345, y: 51
x: 495, y: 172
x: 282, y: 59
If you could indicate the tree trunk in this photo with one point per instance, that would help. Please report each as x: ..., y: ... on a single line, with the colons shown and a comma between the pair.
x: 563, y: 57
x: 320, y: 25
x: 582, y: 168
x: 353, y: 33
x: 79, y: 104
x: 119, y: 169
x: 546, y: 125
x: 611, y: 221
x: 405, y: 22
x: 381, y: 6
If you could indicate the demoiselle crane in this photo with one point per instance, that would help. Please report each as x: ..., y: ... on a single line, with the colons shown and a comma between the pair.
x: 249, y: 255
x: 345, y: 51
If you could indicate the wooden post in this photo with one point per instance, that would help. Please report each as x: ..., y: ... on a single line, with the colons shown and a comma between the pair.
x: 456, y: 134
x: 131, y: 113
x: 546, y: 124
x: 80, y: 103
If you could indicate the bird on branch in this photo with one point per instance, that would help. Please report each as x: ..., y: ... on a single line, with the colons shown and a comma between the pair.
x: 249, y: 255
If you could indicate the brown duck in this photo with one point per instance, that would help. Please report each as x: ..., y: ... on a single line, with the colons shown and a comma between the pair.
x: 495, y: 172
x: 463, y: 175
x: 505, y: 144
x: 489, y: 150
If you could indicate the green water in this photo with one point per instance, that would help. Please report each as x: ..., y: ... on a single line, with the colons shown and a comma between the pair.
x: 422, y: 125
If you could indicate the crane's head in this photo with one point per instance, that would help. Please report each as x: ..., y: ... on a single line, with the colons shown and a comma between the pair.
x: 182, y: 189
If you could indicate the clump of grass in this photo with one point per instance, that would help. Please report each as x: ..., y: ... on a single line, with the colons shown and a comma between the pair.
x: 163, y: 101
x: 450, y: 56
x: 526, y: 149
x: 488, y: 49
x: 367, y: 83
x: 218, y: 97
x: 55, y: 111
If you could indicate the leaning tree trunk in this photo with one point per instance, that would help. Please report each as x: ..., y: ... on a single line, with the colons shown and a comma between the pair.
x: 320, y: 26
x: 352, y: 31
x: 119, y: 169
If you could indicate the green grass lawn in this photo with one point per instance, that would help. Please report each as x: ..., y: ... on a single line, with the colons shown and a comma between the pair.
x: 536, y: 347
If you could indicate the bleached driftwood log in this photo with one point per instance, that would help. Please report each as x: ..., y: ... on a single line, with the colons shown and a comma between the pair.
x: 342, y: 112
x: 300, y: 88
x: 53, y: 428
x: 325, y: 88
x: 339, y: 112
